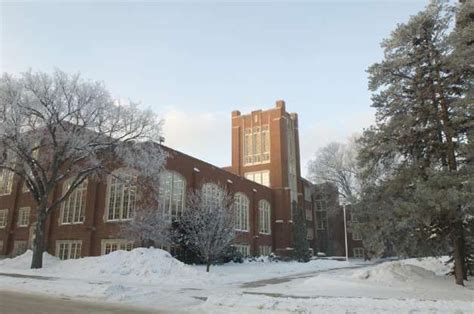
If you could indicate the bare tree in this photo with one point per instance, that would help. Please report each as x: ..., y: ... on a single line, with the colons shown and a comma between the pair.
x: 207, y: 225
x: 337, y: 163
x: 57, y: 127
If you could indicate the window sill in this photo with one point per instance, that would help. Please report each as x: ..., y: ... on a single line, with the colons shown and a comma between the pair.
x: 118, y: 220
x: 70, y: 223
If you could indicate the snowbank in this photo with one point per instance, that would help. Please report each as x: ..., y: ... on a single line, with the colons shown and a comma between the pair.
x: 141, y: 264
x: 405, y: 270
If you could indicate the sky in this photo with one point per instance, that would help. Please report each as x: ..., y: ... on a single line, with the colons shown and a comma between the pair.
x: 193, y: 62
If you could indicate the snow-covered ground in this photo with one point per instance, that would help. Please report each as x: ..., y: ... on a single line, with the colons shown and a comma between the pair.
x: 152, y: 278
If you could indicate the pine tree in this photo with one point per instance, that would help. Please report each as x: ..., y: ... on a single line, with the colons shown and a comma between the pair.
x: 415, y: 191
x: 300, y: 243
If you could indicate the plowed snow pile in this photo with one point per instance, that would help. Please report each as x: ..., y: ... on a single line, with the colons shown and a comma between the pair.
x: 141, y: 264
x: 405, y: 270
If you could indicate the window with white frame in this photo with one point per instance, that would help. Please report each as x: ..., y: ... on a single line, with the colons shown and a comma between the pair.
x: 309, y: 233
x: 122, y: 193
x: 321, y: 220
x: 261, y: 177
x: 23, y: 217
x: 74, y: 206
x: 3, y: 218
x: 19, y: 247
x: 356, y: 235
x: 309, y: 214
x: 6, y: 181
x: 358, y: 252
x: 68, y: 249
x: 241, y: 208
x: 307, y: 193
x: 243, y: 249
x: 265, y: 250
x: 256, y: 145
x: 111, y: 245
x: 172, y: 192
x: 212, y: 195
x: 264, y: 216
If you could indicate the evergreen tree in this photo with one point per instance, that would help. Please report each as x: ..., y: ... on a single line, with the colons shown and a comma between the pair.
x: 417, y: 186
x: 300, y: 243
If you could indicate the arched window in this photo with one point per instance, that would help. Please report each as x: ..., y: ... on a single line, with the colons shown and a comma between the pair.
x: 241, y: 208
x: 264, y: 216
x: 212, y: 195
x: 172, y: 192
x: 122, y: 194
x: 74, y: 206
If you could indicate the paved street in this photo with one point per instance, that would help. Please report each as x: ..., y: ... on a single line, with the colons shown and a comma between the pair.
x: 13, y: 303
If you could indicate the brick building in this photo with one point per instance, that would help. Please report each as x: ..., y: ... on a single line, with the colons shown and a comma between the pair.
x: 265, y: 178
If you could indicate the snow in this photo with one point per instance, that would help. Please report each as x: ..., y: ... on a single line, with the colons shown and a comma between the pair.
x: 152, y: 278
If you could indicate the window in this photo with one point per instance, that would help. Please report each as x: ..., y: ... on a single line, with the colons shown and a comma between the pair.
x: 358, y: 252
x: 23, y: 217
x: 212, y: 195
x: 6, y: 181
x: 68, y: 249
x: 264, y: 250
x: 3, y: 218
x: 19, y: 247
x: 307, y: 193
x: 309, y: 233
x: 111, y: 245
x: 309, y: 215
x: 261, y: 177
x: 241, y: 208
x: 256, y: 145
x: 356, y: 235
x: 264, y: 216
x: 73, y: 209
x: 321, y: 220
x: 321, y: 205
x: 172, y: 192
x: 122, y: 191
x: 243, y: 249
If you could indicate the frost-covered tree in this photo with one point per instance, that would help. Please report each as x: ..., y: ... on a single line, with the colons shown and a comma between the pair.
x: 57, y: 127
x: 207, y: 225
x: 337, y: 163
x: 300, y: 241
x: 416, y: 181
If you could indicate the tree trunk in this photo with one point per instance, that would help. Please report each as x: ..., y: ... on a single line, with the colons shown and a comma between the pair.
x: 458, y: 258
x: 208, y: 265
x: 38, y: 242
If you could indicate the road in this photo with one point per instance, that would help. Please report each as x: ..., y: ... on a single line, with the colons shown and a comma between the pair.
x: 14, y: 302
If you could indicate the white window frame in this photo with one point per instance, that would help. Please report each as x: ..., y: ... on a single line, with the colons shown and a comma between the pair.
x: 68, y: 249
x: 243, y: 249
x: 264, y: 217
x: 6, y: 182
x: 172, y: 193
x: 321, y: 224
x: 256, y: 144
x: 74, y: 204
x: 309, y: 214
x: 211, y: 194
x: 260, y: 177
x: 358, y: 252
x: 242, y: 209
x: 23, y: 217
x: 3, y: 218
x: 265, y: 250
x: 309, y: 233
x: 115, y: 182
x: 111, y: 245
x: 356, y: 236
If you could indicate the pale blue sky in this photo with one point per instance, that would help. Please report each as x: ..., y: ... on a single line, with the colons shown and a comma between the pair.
x: 199, y: 60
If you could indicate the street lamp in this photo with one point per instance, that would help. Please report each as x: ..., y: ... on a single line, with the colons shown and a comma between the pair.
x: 345, y: 231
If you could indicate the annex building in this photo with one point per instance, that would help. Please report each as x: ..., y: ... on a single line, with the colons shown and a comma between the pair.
x: 264, y: 177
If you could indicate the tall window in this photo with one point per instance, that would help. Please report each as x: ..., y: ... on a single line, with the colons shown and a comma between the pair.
x: 122, y: 193
x: 68, y: 249
x: 261, y: 177
x: 172, y: 192
x: 3, y: 218
x: 212, y: 194
x: 23, y: 217
x: 264, y: 214
x: 256, y: 145
x: 309, y: 233
x: 243, y: 249
x: 321, y: 220
x: 265, y: 250
x: 6, y: 181
x: 73, y: 210
x: 241, y: 208
x: 111, y: 245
